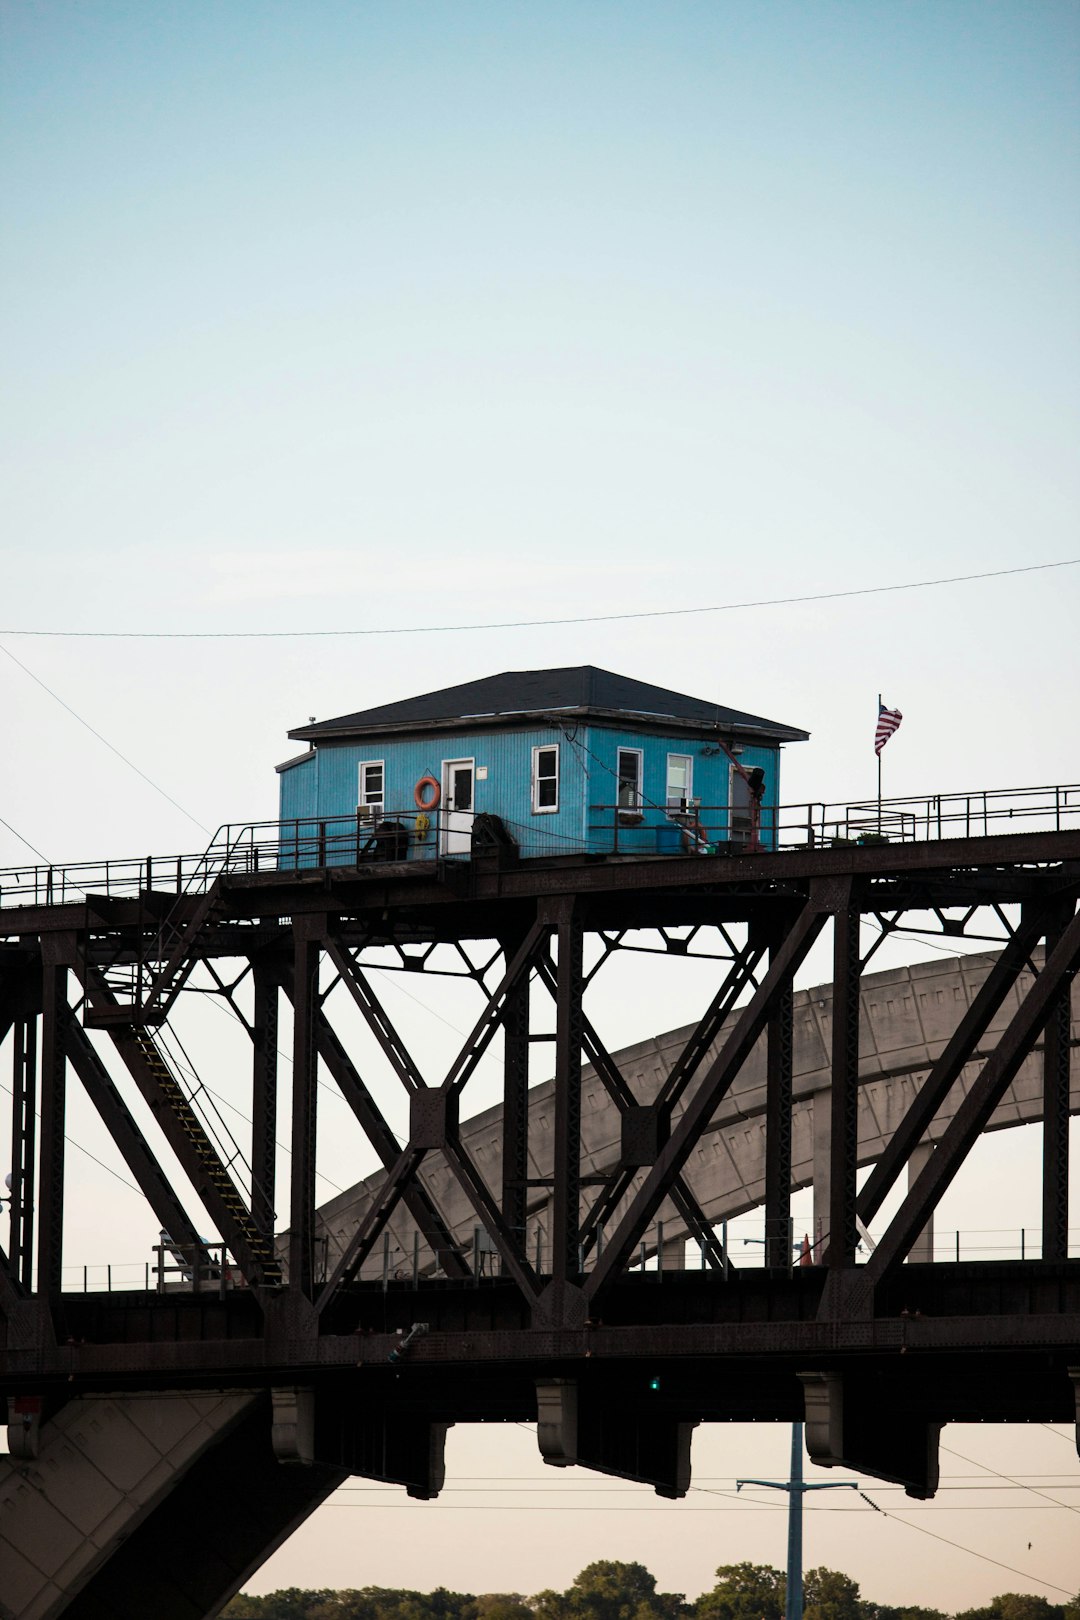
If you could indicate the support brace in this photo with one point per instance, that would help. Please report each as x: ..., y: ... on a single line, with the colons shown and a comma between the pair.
x: 339, y: 1430
x: 612, y: 1437
x: 861, y: 1428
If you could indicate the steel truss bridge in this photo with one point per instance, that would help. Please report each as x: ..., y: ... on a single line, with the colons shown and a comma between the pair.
x: 540, y: 1269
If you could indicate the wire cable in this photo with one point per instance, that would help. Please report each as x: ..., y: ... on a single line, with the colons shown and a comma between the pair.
x: 1010, y: 1480
x: 110, y: 746
x: 922, y: 1529
x: 25, y: 841
x: 71, y: 1140
x: 527, y: 624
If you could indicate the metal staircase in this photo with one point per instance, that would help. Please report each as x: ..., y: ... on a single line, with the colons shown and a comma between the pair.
x: 260, y: 1245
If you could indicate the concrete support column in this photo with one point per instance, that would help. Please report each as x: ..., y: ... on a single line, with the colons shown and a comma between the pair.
x: 923, y: 1247
x: 822, y: 1129
x: 102, y: 1466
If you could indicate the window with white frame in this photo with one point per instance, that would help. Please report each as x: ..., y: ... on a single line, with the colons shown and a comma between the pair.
x: 680, y: 781
x: 369, y: 794
x: 629, y: 771
x: 545, y: 779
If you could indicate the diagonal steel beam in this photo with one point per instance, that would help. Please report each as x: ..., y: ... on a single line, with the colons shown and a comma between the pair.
x: 608, y: 1200
x: 374, y: 1219
x: 719, y: 1010
x: 959, y: 1051
x: 714, y: 1084
x: 375, y: 1015
x: 970, y: 1119
x: 680, y: 1076
x: 483, y: 1031
x: 597, y: 1053
x: 434, y: 1229
x: 154, y: 1185
x: 509, y: 1244
x: 184, y: 1132
x: 699, y: 1225
x: 176, y: 942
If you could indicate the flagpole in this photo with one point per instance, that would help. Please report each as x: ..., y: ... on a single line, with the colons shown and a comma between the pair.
x: 878, y: 772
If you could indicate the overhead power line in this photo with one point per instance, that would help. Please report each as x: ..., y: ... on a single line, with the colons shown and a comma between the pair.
x: 23, y: 840
x: 110, y: 746
x: 527, y: 624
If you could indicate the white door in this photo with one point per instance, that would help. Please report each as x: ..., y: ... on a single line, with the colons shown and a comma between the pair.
x: 456, y: 817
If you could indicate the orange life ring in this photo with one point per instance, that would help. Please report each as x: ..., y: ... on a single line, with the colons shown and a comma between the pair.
x: 431, y: 803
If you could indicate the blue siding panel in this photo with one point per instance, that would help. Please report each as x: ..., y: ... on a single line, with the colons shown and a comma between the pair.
x: 330, y: 794
x: 710, y: 786
x: 325, y: 788
x: 299, y: 788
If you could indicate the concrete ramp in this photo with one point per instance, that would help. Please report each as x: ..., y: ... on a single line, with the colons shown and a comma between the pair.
x: 139, y: 1505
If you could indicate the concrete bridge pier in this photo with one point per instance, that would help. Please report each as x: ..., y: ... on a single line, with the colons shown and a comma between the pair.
x: 923, y: 1247
x: 138, y: 1504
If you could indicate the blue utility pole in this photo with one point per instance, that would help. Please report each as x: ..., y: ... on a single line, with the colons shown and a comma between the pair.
x: 796, y: 1489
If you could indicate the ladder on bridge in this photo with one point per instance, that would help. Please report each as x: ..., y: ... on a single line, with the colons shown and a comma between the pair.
x: 260, y: 1244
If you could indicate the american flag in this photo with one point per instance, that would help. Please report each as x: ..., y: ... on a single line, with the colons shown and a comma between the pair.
x: 887, y: 722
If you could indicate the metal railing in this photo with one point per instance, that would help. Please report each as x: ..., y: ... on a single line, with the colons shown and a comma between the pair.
x: 251, y: 849
x: 744, y: 1240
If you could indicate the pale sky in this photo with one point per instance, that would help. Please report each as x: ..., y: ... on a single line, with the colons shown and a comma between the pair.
x: 374, y: 317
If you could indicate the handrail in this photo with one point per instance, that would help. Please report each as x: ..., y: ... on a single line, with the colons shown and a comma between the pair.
x: 253, y: 847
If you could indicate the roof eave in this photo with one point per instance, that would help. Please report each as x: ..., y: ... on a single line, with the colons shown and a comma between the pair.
x: 297, y: 759
x: 329, y: 733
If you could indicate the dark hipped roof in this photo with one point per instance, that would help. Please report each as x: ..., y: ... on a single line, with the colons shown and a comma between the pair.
x: 580, y: 690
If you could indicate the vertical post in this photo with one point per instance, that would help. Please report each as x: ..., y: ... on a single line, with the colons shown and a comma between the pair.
x: 844, y: 1114
x: 1055, y: 1073
x: 515, y: 1142
x: 305, y: 1074
x: 778, y: 1128
x: 793, y: 1601
x: 264, y: 1037
x: 53, y: 1101
x: 922, y: 1250
x: 879, y: 751
x: 23, y: 1149
x: 567, y: 1145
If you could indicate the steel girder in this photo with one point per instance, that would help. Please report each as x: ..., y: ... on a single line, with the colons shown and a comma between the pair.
x: 544, y: 921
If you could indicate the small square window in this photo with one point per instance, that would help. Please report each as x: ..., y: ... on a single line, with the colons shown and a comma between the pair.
x: 545, y: 779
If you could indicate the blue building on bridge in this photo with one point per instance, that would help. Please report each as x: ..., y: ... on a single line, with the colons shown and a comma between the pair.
x: 575, y: 760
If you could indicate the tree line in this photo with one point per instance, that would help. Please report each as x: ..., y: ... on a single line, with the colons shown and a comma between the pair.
x: 608, y: 1590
